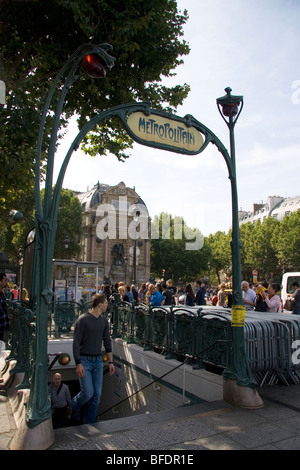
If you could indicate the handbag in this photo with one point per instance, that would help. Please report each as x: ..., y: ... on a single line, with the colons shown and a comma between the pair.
x: 288, y: 305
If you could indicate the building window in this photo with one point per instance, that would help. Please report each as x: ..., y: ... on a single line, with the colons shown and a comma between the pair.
x: 116, y: 204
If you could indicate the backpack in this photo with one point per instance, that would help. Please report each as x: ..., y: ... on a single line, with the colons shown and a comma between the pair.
x: 261, y: 306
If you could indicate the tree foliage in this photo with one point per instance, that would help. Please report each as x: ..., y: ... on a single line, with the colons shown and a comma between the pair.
x: 286, y: 242
x: 220, y: 253
x: 269, y: 247
x: 37, y: 37
x: 68, y: 225
x: 169, y: 251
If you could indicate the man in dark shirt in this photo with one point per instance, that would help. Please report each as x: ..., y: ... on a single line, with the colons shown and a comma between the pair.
x: 199, y: 300
x: 296, y: 298
x: 167, y: 293
x: 91, y: 330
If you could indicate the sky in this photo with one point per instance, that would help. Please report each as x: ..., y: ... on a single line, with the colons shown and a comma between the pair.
x: 252, y: 46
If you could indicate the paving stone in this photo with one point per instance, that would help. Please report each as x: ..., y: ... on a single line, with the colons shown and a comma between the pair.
x: 216, y: 442
x: 255, y: 436
x: 289, y: 444
x: 153, y: 437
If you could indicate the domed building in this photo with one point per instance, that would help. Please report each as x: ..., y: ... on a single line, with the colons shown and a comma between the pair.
x: 116, y: 233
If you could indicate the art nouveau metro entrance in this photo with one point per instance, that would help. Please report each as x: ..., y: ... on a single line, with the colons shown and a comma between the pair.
x: 156, y: 129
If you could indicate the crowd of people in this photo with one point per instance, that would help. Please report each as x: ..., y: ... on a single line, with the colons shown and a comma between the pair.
x: 263, y: 297
x: 160, y: 293
x: 16, y: 293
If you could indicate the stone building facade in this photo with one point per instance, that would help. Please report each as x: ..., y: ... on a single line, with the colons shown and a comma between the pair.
x: 116, y: 233
x: 276, y: 206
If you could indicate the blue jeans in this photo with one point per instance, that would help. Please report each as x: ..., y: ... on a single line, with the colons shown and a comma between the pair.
x: 90, y: 387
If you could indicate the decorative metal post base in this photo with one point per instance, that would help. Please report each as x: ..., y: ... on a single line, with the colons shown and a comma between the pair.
x: 242, y: 397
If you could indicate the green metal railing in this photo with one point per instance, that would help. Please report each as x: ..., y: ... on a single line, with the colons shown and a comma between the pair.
x: 175, y: 332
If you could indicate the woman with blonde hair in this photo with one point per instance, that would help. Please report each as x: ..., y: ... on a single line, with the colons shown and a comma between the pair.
x: 221, y: 296
x: 123, y: 296
x: 25, y: 297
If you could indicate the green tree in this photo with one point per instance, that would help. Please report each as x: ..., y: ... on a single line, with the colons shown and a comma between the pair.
x: 37, y: 37
x: 286, y: 242
x: 258, y: 250
x: 265, y: 255
x: 170, y: 250
x: 247, y: 236
x: 68, y: 225
x: 220, y: 253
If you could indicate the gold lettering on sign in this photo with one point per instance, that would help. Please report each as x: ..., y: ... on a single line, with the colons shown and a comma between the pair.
x: 165, y: 131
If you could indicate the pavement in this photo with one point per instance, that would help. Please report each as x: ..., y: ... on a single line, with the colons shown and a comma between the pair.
x: 185, y: 430
x: 206, y: 426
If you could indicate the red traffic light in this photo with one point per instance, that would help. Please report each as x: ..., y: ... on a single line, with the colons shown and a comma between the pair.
x: 93, y: 66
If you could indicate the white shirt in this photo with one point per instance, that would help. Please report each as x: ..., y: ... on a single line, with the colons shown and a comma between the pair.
x: 250, y: 296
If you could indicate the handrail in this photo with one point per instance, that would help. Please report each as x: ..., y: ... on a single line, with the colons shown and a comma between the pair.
x: 187, y: 359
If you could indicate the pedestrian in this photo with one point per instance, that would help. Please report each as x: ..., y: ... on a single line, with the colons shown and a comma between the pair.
x: 199, y: 300
x: 91, y: 329
x: 190, y: 296
x: 4, y: 321
x: 25, y: 297
x: 272, y: 297
x: 147, y: 294
x: 60, y: 397
x: 15, y: 292
x: 129, y: 294
x: 167, y: 293
x: 142, y: 291
x: 156, y: 297
x: 123, y: 294
x: 249, y: 296
x: 134, y: 293
x: 296, y: 298
x: 221, y: 296
x: 261, y: 305
x: 158, y: 287
x: 172, y: 289
x: 107, y: 291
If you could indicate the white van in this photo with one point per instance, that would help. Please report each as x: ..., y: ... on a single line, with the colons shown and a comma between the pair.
x: 287, y: 280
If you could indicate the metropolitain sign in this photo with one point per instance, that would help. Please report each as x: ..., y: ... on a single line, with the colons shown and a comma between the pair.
x: 164, y: 132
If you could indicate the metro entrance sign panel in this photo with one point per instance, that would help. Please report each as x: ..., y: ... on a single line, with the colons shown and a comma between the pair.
x: 164, y: 131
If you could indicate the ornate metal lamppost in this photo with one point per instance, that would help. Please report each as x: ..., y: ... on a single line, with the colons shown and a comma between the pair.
x: 239, y: 384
